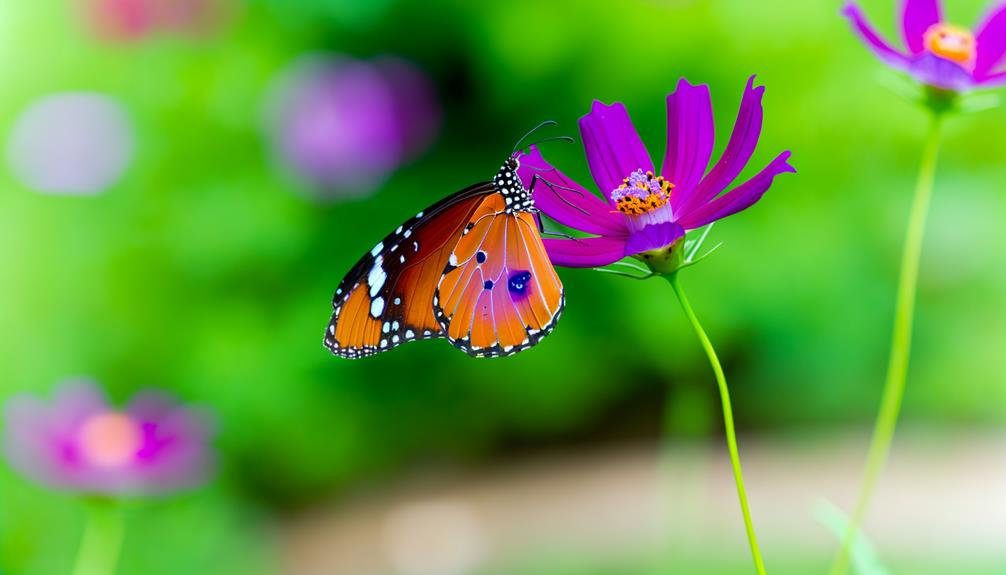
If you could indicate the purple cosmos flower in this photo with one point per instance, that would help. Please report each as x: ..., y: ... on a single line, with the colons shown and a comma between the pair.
x: 941, y: 54
x: 77, y: 442
x: 645, y: 211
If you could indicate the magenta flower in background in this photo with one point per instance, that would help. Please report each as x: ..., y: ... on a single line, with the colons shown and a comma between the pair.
x: 78, y: 442
x: 941, y: 54
x: 343, y: 126
x: 644, y: 210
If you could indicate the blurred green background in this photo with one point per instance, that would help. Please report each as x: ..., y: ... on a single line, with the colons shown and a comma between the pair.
x: 206, y: 269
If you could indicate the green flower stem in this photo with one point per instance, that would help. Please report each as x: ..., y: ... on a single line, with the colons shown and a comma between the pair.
x: 901, y: 342
x: 99, y: 549
x: 728, y: 419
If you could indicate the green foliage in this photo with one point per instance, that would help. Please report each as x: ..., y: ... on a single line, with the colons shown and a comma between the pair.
x: 204, y: 272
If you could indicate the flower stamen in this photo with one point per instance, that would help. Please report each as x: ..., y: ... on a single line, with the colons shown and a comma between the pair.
x: 110, y: 439
x: 951, y: 42
x: 641, y: 193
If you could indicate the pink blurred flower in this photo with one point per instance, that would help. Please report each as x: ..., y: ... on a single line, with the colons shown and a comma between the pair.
x: 416, y: 107
x: 78, y: 442
x: 342, y: 126
x: 126, y: 20
x: 938, y: 53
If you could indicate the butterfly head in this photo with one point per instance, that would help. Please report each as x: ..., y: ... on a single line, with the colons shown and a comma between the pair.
x: 510, y: 186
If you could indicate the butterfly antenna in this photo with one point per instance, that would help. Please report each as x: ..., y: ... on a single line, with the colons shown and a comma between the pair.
x: 530, y: 132
x: 553, y: 139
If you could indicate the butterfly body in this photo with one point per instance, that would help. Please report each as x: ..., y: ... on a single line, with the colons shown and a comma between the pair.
x: 471, y: 268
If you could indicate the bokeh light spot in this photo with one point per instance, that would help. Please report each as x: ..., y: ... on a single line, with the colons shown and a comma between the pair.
x: 71, y: 143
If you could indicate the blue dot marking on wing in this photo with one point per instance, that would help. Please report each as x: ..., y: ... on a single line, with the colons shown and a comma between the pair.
x: 480, y: 257
x: 518, y: 283
x: 488, y: 284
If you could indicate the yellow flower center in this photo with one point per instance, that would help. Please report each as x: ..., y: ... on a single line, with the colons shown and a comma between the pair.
x: 951, y: 42
x: 110, y: 439
x: 641, y: 193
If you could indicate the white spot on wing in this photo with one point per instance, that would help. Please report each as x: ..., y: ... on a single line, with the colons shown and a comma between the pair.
x: 376, y: 276
x: 377, y: 307
x: 377, y: 249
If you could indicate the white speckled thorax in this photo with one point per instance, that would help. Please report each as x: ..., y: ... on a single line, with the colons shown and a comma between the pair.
x: 515, y: 194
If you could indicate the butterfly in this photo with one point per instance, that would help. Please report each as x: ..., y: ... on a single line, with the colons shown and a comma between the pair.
x: 471, y: 268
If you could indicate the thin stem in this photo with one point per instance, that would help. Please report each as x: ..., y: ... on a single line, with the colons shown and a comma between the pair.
x: 99, y: 548
x: 728, y: 420
x: 901, y: 342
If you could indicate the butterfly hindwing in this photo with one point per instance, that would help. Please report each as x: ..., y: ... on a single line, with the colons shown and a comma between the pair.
x: 385, y: 299
x: 499, y: 293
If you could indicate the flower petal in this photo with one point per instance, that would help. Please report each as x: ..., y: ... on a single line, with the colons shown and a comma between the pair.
x: 612, y: 145
x: 887, y: 53
x: 74, y: 401
x: 585, y: 252
x: 991, y: 41
x: 738, y: 151
x: 690, y: 137
x: 30, y: 444
x: 151, y: 406
x: 567, y: 202
x: 916, y: 17
x: 935, y: 71
x: 740, y: 198
x: 653, y: 237
x: 994, y: 80
x: 176, y: 451
x: 39, y: 437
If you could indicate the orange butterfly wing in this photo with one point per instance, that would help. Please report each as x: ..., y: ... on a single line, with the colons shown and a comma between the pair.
x: 499, y: 293
x: 385, y: 300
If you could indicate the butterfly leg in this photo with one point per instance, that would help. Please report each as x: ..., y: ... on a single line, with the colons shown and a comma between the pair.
x: 537, y: 216
x: 543, y: 232
x: 536, y: 178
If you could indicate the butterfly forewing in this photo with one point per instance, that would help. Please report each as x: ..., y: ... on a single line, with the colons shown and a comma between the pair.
x: 385, y: 299
x: 499, y: 293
